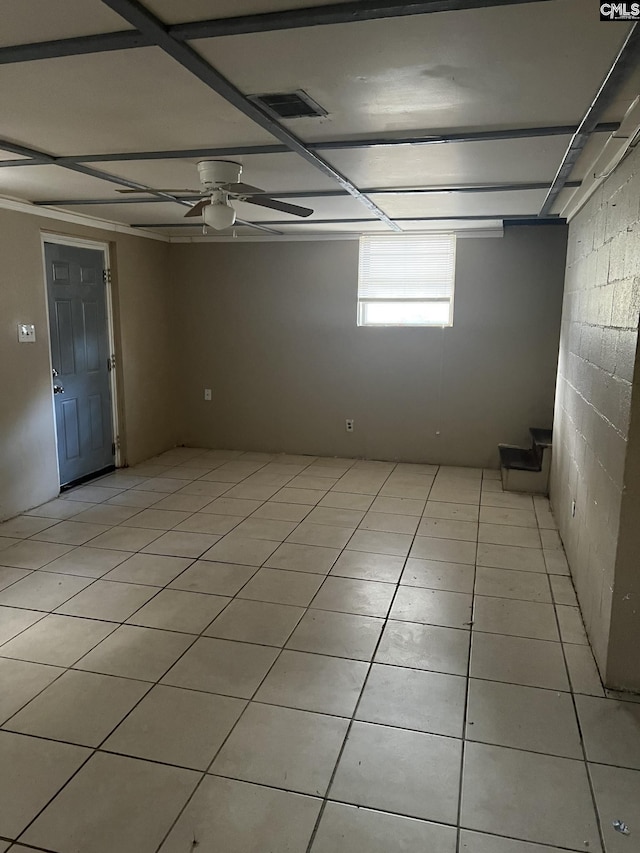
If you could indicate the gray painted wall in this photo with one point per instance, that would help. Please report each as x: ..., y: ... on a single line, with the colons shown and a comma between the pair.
x: 271, y: 328
x: 592, y: 422
x: 28, y: 466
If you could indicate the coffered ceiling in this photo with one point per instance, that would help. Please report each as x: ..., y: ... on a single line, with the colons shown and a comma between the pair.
x: 439, y: 114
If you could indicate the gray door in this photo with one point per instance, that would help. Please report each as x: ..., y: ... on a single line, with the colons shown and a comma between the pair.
x: 80, y: 359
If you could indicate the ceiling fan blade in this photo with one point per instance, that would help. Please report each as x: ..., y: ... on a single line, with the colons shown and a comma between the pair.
x: 162, y: 190
x: 197, y: 209
x: 241, y: 189
x: 283, y: 206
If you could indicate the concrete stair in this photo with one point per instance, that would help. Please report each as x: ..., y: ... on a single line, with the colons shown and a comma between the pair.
x: 526, y: 469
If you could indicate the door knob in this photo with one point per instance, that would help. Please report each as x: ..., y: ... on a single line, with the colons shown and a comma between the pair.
x: 55, y: 372
x: 58, y: 389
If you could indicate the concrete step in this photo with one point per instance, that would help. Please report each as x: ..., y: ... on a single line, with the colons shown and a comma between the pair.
x: 526, y: 469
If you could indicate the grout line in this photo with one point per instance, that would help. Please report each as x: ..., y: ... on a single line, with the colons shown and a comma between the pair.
x: 581, y: 736
x: 93, y: 752
x: 357, y: 705
x: 103, y: 750
x: 270, y: 668
x: 466, y: 701
x: 247, y: 705
x: 308, y: 608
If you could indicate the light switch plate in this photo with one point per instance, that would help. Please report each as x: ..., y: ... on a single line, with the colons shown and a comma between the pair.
x: 26, y: 333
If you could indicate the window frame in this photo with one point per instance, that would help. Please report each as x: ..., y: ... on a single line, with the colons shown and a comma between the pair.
x: 362, y: 302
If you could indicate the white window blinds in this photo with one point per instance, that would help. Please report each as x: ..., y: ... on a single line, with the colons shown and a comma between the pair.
x: 406, y: 280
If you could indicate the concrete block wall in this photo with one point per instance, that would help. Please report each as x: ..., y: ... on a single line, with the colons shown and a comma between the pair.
x: 598, y: 344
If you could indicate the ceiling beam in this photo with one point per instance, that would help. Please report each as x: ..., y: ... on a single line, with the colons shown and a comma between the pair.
x: 529, y: 219
x: 24, y: 161
x: 482, y: 217
x: 177, y: 154
x: 326, y: 145
x: 626, y: 60
x: 497, y: 188
x: 257, y: 225
x: 453, y: 190
x: 339, y: 13
x: 48, y: 159
x: 152, y: 27
x: 446, y: 138
x: 78, y: 46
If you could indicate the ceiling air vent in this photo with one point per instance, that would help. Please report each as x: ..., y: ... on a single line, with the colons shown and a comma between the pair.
x: 289, y: 105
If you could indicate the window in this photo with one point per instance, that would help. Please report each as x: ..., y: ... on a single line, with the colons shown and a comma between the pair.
x: 406, y: 281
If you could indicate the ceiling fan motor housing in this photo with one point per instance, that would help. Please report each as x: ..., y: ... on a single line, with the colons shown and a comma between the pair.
x: 215, y: 172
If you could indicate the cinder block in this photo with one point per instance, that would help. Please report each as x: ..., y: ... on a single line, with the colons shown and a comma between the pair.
x: 617, y: 257
x: 626, y: 353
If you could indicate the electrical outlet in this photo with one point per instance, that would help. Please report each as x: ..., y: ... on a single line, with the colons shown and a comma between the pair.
x: 207, y: 393
x: 349, y: 425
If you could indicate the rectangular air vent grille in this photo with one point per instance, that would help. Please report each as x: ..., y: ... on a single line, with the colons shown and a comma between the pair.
x: 289, y: 105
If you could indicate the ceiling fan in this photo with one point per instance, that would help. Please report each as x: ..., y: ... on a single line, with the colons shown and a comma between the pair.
x: 220, y: 185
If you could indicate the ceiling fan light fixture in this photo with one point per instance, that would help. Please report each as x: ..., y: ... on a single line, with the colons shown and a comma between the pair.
x: 219, y: 216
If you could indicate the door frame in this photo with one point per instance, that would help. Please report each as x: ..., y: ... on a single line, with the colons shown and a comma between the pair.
x: 81, y: 243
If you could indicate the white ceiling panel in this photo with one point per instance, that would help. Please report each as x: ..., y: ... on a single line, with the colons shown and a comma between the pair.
x: 159, y: 214
x: 126, y: 100
x: 482, y: 69
x: 361, y: 227
x: 26, y: 21
x: 39, y: 183
x: 202, y: 10
x: 237, y: 231
x: 9, y: 155
x: 376, y: 227
x: 525, y: 203
x: 456, y: 225
x: 521, y: 203
x: 343, y: 207
x: 271, y: 172
x: 494, y: 67
x: 502, y: 161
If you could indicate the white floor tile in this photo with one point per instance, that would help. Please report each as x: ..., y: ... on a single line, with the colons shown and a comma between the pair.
x: 79, y: 707
x: 283, y: 748
x: 39, y: 768
x: 135, y: 652
x: 230, y: 612
x: 339, y: 634
x: 345, y: 828
x: 431, y: 702
x: 138, y: 802
x: 314, y: 682
x: 401, y: 771
x: 222, y: 666
x: 505, y: 791
x: 150, y: 730
x: 57, y: 640
x: 239, y: 817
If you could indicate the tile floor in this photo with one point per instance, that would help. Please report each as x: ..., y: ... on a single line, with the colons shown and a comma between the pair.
x: 243, y: 653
